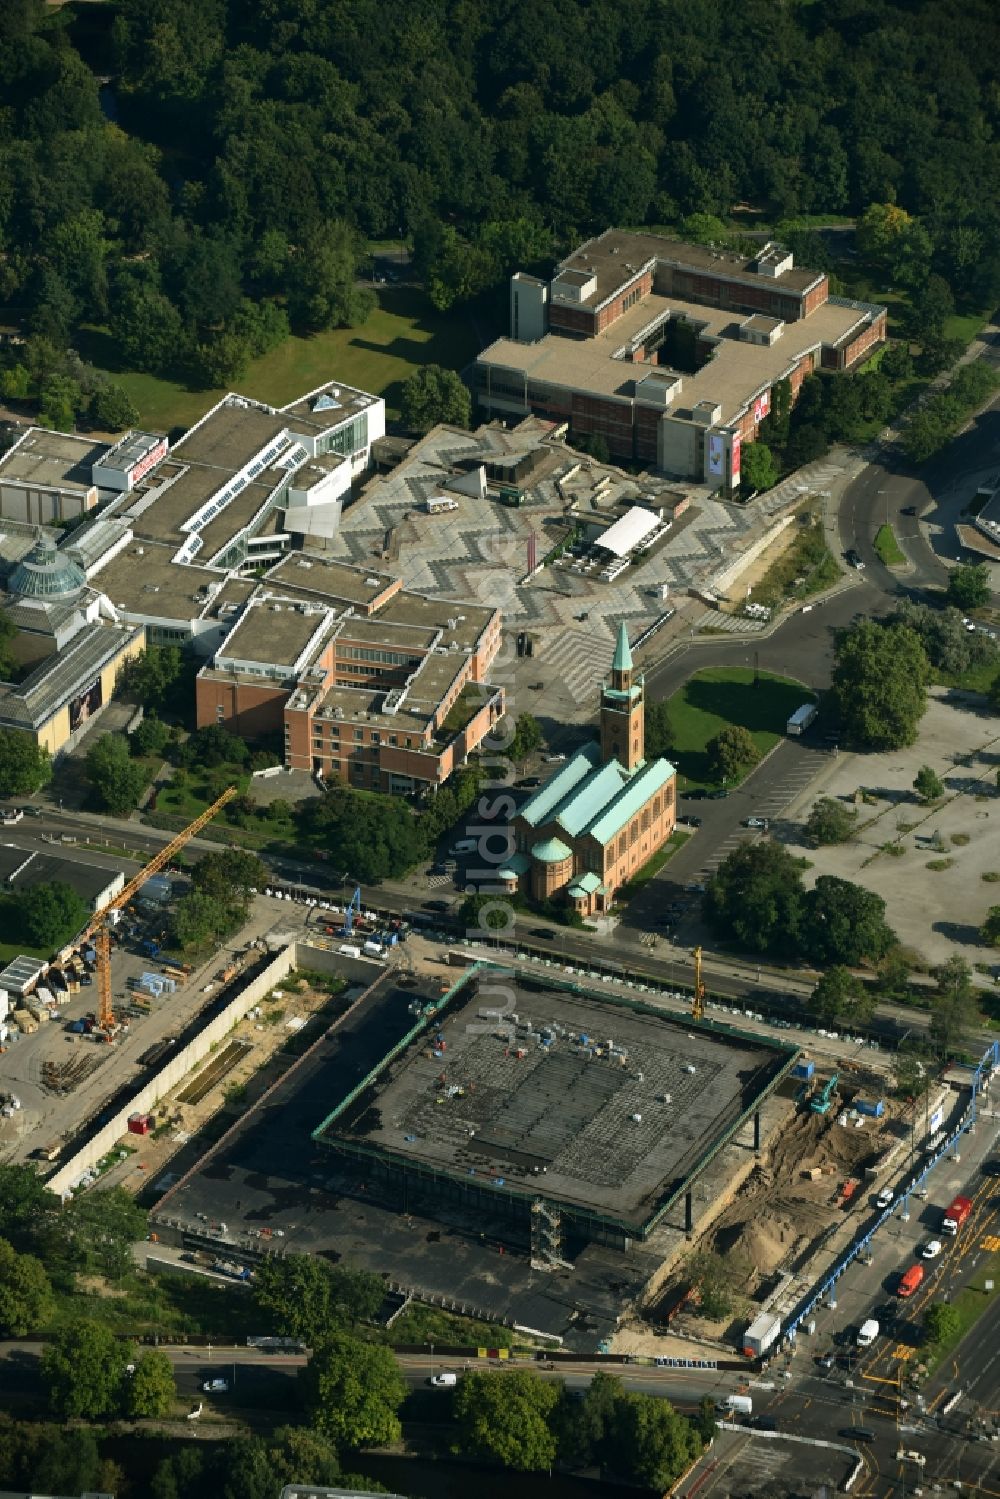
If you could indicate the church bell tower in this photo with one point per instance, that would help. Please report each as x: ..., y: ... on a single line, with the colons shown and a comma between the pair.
x: 623, y: 709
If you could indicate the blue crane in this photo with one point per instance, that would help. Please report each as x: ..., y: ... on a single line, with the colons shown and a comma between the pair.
x: 352, y: 913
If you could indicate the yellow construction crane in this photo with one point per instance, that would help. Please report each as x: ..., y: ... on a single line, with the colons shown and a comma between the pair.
x: 98, y: 927
x: 698, y: 1002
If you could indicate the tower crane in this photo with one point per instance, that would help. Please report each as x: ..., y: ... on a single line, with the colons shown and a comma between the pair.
x: 98, y: 927
x: 698, y: 1001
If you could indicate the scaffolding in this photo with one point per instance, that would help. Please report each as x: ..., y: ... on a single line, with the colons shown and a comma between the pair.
x: 547, y: 1237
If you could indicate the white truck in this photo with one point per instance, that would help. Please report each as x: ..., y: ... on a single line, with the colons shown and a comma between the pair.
x: 735, y: 1405
x: 867, y: 1333
x: 801, y: 719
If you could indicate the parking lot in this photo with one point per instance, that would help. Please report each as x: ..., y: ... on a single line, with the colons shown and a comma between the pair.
x: 935, y: 887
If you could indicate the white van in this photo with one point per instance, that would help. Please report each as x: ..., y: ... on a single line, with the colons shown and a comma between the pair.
x: 867, y: 1333
x: 443, y: 1381
x: 464, y: 846
x: 735, y: 1405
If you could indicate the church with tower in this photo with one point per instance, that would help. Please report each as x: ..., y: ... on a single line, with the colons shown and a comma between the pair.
x: 604, y: 813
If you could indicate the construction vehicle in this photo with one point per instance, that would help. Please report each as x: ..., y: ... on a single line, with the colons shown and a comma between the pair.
x: 698, y: 1001
x: 821, y: 1102
x: 98, y: 927
x: 352, y: 914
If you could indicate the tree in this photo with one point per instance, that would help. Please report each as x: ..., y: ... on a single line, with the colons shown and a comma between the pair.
x: 150, y: 676
x: 757, y: 897
x: 198, y: 919
x: 50, y: 914
x: 506, y: 1420
x: 353, y: 1391
x: 759, y: 469
x: 880, y: 679
x: 26, y: 1300
x: 213, y: 745
x: 101, y: 1227
x: 954, y: 1010
x: 432, y: 395
x: 969, y: 586
x: 942, y: 1323
x: 527, y: 737
x: 582, y: 1424
x: 151, y: 1389
x: 117, y: 780
x: 113, y: 408
x: 651, y: 1443
x: 308, y: 1299
x: 659, y: 730
x: 24, y: 766
x: 233, y: 873
x: 845, y: 923
x: 28, y: 1210
x: 912, y: 1069
x: 83, y: 1369
x: 830, y: 822
x: 990, y: 929
x: 321, y: 281
x: 718, y: 1280
x: 840, y: 996
x: 928, y: 784
x: 732, y: 752
x: 151, y: 737
x: 147, y: 328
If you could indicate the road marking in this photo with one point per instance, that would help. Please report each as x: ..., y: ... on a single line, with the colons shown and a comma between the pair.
x: 878, y: 1379
x: 991, y: 1243
x: 902, y: 1352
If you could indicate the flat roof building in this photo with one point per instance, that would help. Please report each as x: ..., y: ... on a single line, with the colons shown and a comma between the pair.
x: 579, y: 1117
x: 23, y: 868
x: 49, y: 476
x: 586, y: 347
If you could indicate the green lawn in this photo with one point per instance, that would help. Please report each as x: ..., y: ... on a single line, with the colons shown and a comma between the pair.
x: 403, y: 332
x: 888, y: 547
x: 964, y: 325
x: 977, y: 679
x: 653, y: 866
x: 718, y: 696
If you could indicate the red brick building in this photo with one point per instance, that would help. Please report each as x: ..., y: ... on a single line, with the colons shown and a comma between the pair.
x: 588, y: 348
x: 386, y: 694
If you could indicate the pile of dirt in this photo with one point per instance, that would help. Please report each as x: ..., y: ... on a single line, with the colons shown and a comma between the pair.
x: 792, y: 1197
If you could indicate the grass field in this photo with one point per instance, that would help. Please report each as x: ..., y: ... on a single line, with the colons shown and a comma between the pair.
x: 807, y: 558
x: 718, y: 696
x: 402, y: 333
x: 653, y: 866
x: 888, y: 547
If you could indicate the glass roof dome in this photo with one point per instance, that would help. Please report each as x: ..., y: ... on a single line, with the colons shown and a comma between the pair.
x: 46, y: 573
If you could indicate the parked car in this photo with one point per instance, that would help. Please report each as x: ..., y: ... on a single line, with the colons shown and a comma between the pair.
x: 215, y: 1386
x: 716, y: 796
x: 854, y: 559
x: 435, y: 905
x: 690, y: 822
x: 695, y: 887
x: 908, y: 510
x: 884, y: 1197
x: 827, y: 1360
x: 11, y: 815
x: 529, y: 781
x: 444, y: 1381
x: 756, y: 822
x: 32, y: 811
x: 542, y: 931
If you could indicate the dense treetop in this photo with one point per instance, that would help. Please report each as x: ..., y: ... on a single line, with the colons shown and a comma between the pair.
x: 256, y: 141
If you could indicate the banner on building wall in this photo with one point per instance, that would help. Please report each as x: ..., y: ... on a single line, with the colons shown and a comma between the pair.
x: 761, y: 407
x: 716, y: 455
x: 734, y: 477
x: 85, y: 705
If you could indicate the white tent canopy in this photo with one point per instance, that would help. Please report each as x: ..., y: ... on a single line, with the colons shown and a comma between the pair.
x: 626, y: 534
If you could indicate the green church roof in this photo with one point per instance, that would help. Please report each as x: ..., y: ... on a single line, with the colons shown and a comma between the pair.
x: 552, y: 851
x: 623, y: 652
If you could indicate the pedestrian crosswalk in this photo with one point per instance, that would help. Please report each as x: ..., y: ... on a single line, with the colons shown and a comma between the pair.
x: 578, y: 661
x: 435, y: 881
x: 733, y: 624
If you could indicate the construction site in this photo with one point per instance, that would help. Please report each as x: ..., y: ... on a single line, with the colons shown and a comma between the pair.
x: 578, y: 1118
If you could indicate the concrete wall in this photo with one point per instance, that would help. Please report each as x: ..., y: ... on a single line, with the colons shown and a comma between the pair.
x: 176, y: 1069
x: 729, y: 574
